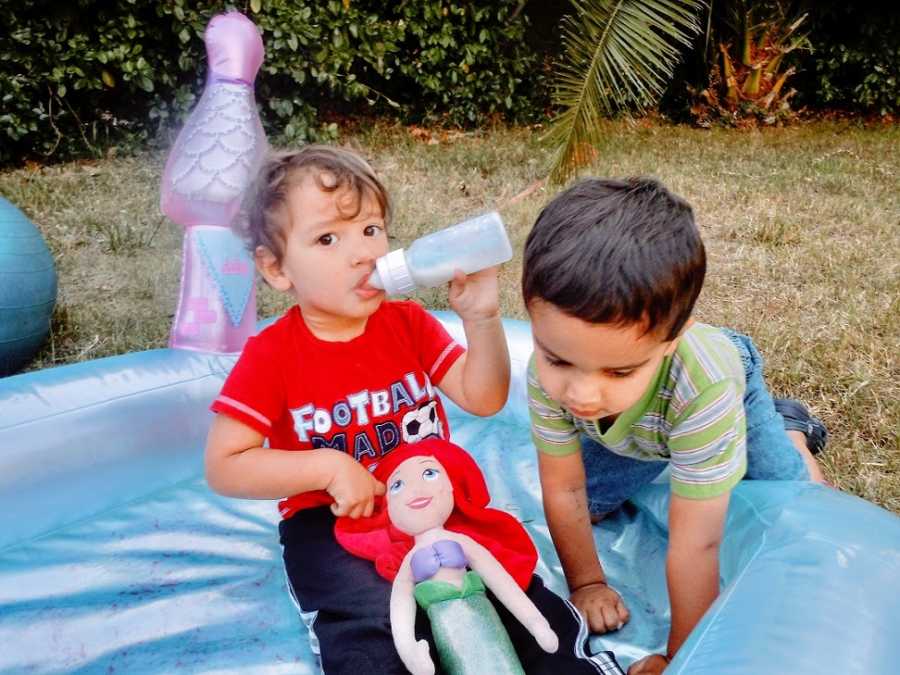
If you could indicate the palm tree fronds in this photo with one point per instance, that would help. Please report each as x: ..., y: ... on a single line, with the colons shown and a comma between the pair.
x: 618, y: 55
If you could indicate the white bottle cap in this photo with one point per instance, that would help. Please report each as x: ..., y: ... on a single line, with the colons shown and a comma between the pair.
x: 393, y: 273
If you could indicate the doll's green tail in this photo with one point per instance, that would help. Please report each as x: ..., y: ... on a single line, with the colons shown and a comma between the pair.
x: 469, y: 636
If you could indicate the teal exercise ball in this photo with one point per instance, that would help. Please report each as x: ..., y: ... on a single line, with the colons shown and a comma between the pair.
x: 27, y: 289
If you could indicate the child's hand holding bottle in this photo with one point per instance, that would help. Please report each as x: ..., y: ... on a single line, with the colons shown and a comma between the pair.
x: 476, y: 296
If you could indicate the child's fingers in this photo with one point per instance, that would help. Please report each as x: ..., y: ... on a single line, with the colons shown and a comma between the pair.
x: 623, y: 612
x: 611, y: 617
x: 351, y: 509
x: 637, y: 667
x: 596, y: 622
x: 357, y: 510
x: 488, y: 272
x: 594, y: 615
x: 379, y: 488
x: 457, y: 284
x: 654, y: 663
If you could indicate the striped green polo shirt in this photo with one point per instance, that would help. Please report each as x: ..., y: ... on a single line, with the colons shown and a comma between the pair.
x: 692, y: 415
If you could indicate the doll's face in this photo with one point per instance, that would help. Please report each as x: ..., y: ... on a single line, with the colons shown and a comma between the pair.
x: 419, y: 495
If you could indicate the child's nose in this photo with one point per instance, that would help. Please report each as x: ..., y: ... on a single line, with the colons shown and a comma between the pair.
x: 362, y: 254
x: 585, y: 390
x: 361, y: 258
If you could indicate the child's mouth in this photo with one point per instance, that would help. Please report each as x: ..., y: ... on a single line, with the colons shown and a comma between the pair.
x: 586, y: 414
x: 364, y: 290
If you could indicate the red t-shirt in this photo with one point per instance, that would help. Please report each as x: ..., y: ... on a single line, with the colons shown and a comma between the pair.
x: 363, y: 397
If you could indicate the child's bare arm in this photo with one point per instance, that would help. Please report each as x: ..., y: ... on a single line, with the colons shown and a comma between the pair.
x: 238, y: 465
x: 565, y: 505
x: 692, y: 563
x: 692, y: 570
x: 479, y: 380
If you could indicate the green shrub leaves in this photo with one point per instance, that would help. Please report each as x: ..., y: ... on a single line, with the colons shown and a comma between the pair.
x: 79, y: 77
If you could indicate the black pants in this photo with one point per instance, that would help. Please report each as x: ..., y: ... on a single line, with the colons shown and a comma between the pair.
x: 353, y: 621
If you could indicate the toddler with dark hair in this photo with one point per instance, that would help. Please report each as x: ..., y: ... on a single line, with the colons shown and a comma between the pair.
x: 623, y: 383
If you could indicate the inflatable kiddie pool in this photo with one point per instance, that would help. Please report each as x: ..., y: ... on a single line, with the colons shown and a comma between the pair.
x: 116, y: 557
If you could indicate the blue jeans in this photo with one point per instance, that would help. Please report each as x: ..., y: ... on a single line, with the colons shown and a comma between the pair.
x: 612, y: 478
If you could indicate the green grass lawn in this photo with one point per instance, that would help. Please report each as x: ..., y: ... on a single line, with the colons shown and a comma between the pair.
x: 802, y: 226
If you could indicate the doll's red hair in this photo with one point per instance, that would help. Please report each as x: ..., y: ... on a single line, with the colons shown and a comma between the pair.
x: 375, y: 539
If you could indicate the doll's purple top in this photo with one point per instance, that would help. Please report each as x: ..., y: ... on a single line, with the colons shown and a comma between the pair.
x: 429, y: 559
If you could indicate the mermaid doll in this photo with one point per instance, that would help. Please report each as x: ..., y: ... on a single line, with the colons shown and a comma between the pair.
x: 440, y: 544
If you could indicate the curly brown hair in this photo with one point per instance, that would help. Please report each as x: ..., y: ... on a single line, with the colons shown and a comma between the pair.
x: 335, y: 170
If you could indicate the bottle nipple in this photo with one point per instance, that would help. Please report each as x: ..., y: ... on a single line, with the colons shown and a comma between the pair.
x: 392, y: 274
x: 375, y: 280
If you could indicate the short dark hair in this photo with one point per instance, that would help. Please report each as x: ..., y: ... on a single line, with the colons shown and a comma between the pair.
x: 347, y: 171
x: 617, y: 251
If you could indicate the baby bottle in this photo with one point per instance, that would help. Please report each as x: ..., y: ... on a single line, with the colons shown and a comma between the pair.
x: 470, y: 246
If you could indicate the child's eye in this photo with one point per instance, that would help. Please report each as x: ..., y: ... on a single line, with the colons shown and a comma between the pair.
x: 556, y: 363
x: 396, y: 486
x: 372, y: 230
x: 327, y: 239
x: 621, y: 373
x: 430, y: 474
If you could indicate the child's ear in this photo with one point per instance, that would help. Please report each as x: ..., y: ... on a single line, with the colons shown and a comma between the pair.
x: 673, y: 345
x: 270, y: 269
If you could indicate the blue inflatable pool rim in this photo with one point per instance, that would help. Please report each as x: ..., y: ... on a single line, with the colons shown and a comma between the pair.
x: 114, y: 555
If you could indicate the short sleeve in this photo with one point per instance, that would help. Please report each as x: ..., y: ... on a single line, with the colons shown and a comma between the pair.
x: 552, y: 428
x: 436, y: 349
x: 708, y: 443
x: 253, y: 392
